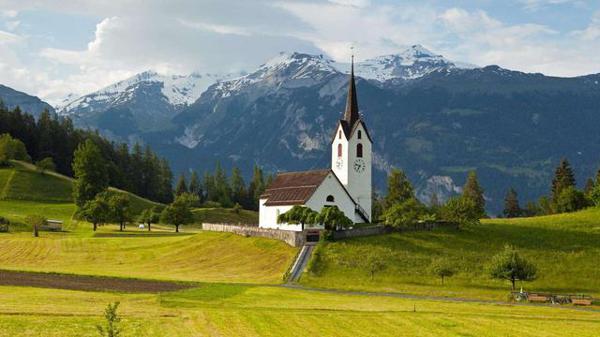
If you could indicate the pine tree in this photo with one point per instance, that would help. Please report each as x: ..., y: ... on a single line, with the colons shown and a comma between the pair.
x: 256, y: 187
x: 209, y: 187
x: 434, y: 201
x: 223, y: 191
x: 91, y: 176
x: 399, y: 189
x: 195, y: 187
x: 563, y: 178
x: 511, y: 204
x: 473, y: 191
x: 589, y: 186
x: 181, y: 186
x: 238, y: 187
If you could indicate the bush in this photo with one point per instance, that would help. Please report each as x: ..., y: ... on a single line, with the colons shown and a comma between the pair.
x: 510, y: 265
x: 442, y: 269
x: 4, y: 224
x: 12, y: 148
x: 461, y: 210
x: 570, y: 200
x: 405, y: 214
x: 46, y: 164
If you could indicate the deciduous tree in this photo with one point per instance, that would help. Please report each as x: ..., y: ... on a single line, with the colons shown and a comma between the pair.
x: 510, y: 265
x: 91, y: 175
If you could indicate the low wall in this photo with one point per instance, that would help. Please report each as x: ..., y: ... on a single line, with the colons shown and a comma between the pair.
x: 380, y: 229
x: 292, y: 238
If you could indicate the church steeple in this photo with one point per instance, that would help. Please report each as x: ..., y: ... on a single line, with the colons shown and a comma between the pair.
x: 351, y: 115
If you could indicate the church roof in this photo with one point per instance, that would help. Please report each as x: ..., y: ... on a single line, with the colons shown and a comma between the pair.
x: 294, y: 188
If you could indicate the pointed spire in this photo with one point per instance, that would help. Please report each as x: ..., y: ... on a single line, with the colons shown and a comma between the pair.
x: 351, y: 114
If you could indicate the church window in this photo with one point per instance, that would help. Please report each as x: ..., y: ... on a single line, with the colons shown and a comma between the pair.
x: 359, y: 151
x: 339, y: 150
x: 359, y: 134
x: 330, y: 198
x: 340, y: 134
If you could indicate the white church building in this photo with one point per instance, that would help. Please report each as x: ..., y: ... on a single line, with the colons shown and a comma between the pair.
x: 347, y: 184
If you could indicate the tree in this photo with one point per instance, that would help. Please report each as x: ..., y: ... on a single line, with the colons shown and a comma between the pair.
x: 374, y: 263
x: 511, y: 204
x: 36, y: 222
x: 181, y: 186
x: 12, y: 149
x: 461, y: 210
x: 120, y: 212
x: 91, y: 176
x: 511, y: 266
x: 256, y: 188
x: 332, y: 217
x: 473, y: 191
x: 569, y: 200
x: 113, y: 319
x: 589, y: 186
x: 96, y: 211
x: 545, y: 205
x: 595, y: 195
x: 195, y: 187
x: 46, y: 164
x: 222, y: 188
x: 149, y: 216
x: 177, y: 213
x: 238, y: 187
x: 563, y: 178
x: 399, y: 189
x: 404, y: 214
x: 299, y: 215
x: 442, y: 269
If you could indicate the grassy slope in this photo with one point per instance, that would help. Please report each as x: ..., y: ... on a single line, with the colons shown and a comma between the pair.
x: 225, y: 215
x: 207, y: 256
x: 233, y: 310
x: 565, y: 248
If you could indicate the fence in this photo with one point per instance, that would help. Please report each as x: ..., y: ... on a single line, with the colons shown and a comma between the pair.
x: 292, y: 238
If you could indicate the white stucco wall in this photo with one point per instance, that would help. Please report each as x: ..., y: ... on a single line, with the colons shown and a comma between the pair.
x: 331, y: 186
x: 267, y: 217
x: 340, y: 172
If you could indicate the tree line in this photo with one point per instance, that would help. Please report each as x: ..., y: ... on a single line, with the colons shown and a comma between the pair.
x: 217, y: 189
x: 138, y: 170
x: 564, y: 195
x: 401, y: 208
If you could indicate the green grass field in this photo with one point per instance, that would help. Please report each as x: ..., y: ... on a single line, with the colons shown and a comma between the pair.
x: 235, y: 310
x: 239, y: 293
x: 565, y: 248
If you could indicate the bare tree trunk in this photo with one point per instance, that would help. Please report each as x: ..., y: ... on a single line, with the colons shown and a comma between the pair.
x: 513, y: 283
x: 35, y: 231
x: 176, y: 228
x: 149, y: 224
x: 95, y: 226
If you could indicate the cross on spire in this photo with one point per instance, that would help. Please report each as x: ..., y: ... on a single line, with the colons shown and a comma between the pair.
x: 351, y: 115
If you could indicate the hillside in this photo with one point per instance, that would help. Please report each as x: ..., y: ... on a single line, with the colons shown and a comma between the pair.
x: 565, y: 248
x: 31, y: 104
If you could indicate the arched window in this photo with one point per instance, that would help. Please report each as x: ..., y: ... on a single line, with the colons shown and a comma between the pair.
x: 359, y: 134
x: 359, y: 150
x: 339, y: 150
x: 340, y: 134
x: 330, y: 198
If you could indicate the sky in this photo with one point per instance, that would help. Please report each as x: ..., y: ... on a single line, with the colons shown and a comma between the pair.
x: 54, y: 48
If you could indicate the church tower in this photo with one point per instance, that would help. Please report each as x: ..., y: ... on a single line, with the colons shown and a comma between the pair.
x: 351, y: 154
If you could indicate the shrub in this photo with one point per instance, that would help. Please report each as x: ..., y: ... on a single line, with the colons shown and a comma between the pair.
x: 405, y: 214
x: 461, y: 210
x: 46, y: 164
x: 570, y: 200
x: 442, y: 269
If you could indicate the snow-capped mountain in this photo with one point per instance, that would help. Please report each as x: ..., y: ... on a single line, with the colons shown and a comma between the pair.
x: 412, y: 63
x: 177, y: 90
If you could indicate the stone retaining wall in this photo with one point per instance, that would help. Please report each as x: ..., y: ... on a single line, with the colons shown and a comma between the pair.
x: 380, y: 229
x: 292, y: 238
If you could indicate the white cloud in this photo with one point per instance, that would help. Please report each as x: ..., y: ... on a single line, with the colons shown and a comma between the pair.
x: 537, y: 4
x: 592, y: 32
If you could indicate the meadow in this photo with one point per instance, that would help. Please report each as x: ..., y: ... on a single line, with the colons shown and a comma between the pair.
x: 237, y: 286
x: 565, y: 248
x: 244, y: 310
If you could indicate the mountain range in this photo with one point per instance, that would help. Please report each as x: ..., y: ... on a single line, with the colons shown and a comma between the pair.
x: 434, y: 118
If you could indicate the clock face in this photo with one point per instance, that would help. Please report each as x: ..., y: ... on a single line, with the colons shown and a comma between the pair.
x: 339, y: 163
x: 359, y: 165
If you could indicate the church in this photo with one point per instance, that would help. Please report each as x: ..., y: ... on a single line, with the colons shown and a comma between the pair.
x: 347, y: 184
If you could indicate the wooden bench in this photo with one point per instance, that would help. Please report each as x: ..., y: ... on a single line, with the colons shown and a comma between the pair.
x: 538, y: 298
x: 581, y: 301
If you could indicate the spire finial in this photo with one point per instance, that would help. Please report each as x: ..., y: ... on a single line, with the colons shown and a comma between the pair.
x: 351, y: 114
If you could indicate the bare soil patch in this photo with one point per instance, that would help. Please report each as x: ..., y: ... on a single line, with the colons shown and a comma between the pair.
x: 87, y: 283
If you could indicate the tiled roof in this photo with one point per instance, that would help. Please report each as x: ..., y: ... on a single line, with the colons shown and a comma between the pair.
x: 294, y: 188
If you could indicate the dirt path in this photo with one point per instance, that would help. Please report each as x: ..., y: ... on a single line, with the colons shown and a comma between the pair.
x: 87, y: 283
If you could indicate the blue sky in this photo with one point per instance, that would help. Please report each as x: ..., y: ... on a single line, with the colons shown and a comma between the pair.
x: 53, y: 48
